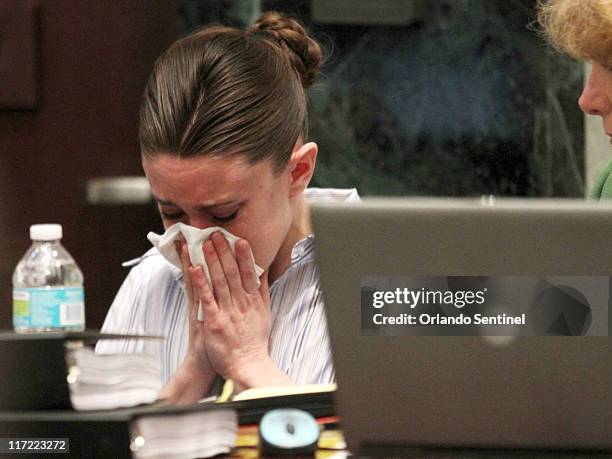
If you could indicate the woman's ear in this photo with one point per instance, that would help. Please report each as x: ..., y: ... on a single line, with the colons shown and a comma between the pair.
x: 301, y: 166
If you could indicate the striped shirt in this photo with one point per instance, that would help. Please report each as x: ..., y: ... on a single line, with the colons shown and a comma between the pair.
x: 152, y: 301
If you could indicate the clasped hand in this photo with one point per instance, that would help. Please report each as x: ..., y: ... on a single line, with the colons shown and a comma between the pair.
x: 232, y: 340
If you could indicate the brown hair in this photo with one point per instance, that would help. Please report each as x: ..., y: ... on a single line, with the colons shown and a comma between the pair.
x: 580, y: 28
x: 225, y: 91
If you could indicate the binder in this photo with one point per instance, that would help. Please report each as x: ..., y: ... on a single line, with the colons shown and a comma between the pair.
x: 251, y: 411
x: 91, y: 434
x: 33, y: 368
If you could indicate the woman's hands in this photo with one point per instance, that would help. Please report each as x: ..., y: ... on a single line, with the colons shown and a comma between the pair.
x: 196, y: 352
x: 232, y: 340
x: 237, y: 319
x: 195, y: 376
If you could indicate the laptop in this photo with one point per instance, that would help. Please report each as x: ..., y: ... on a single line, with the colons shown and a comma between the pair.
x: 538, y: 379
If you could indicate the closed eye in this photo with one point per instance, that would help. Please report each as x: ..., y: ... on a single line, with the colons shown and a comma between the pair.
x: 225, y: 218
x: 170, y: 215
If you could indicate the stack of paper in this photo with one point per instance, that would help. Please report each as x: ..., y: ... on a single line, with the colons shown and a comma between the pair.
x: 108, y: 381
x: 184, y: 432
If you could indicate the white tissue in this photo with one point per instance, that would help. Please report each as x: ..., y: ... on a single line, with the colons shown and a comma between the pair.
x: 194, y: 237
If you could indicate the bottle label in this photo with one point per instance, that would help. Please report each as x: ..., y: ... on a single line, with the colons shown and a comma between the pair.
x: 49, y: 307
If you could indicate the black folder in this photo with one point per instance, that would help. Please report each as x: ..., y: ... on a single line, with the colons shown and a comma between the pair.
x: 33, y: 368
x: 91, y: 434
x: 96, y: 434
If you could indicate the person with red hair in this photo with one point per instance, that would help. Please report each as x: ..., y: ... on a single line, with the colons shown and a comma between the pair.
x: 583, y: 30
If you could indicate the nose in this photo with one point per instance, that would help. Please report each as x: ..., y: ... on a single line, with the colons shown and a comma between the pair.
x: 198, y: 221
x: 595, y: 100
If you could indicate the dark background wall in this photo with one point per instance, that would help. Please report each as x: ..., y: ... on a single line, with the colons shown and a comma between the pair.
x: 91, y: 62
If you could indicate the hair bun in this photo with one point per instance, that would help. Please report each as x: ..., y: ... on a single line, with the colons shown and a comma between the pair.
x: 303, y: 50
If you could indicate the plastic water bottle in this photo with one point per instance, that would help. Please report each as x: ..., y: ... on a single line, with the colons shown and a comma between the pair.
x: 47, y: 285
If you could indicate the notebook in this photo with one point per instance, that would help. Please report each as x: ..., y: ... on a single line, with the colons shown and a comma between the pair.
x: 542, y: 385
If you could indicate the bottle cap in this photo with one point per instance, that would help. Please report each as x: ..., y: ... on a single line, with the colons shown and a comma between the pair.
x: 46, y: 232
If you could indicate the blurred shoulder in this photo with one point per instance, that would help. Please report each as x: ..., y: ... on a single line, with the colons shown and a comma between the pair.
x: 602, y: 188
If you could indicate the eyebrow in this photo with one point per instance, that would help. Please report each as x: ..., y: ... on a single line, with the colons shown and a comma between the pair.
x: 162, y: 202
